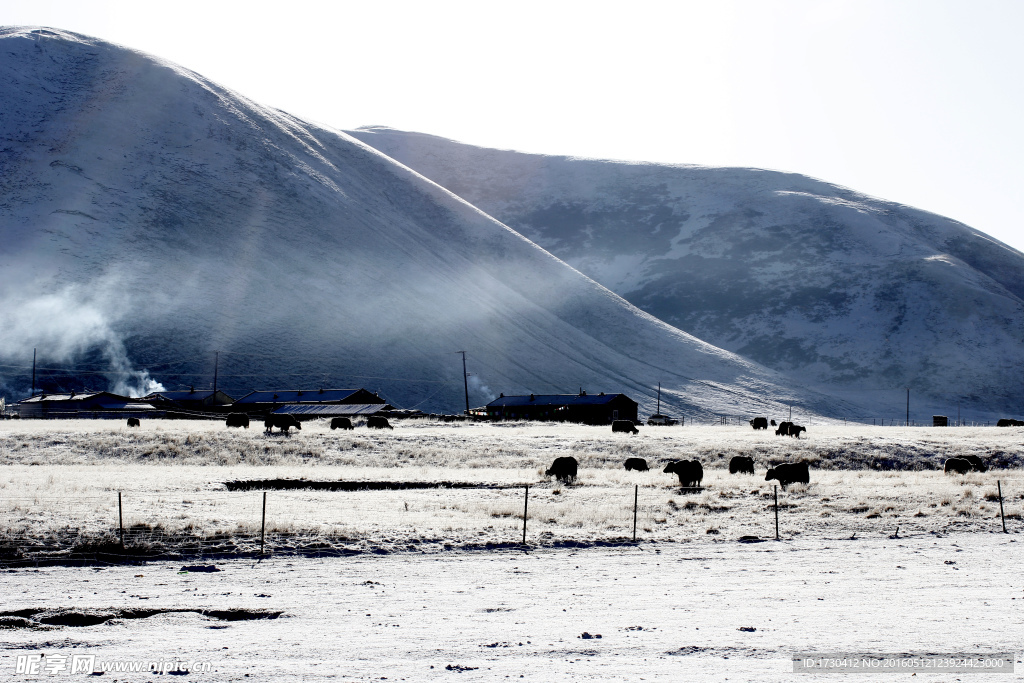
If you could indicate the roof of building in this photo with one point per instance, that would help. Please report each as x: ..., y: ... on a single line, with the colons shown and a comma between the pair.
x: 95, y: 399
x: 555, y: 400
x: 330, y: 409
x: 305, y: 396
x: 198, y: 395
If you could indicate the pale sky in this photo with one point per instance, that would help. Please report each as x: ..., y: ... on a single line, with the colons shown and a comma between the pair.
x: 919, y: 102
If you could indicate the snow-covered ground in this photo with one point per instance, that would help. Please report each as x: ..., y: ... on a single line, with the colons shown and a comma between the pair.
x: 61, y: 480
x: 716, y: 611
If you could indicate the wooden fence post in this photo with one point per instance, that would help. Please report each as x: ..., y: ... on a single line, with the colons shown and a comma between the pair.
x: 776, y: 511
x: 999, y: 486
x: 263, y: 524
x: 526, y: 507
x: 636, y: 498
x: 120, y: 517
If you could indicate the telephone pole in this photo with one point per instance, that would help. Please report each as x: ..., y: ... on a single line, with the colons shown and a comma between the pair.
x: 216, y: 363
x: 33, y: 372
x: 908, y: 406
x: 465, y: 379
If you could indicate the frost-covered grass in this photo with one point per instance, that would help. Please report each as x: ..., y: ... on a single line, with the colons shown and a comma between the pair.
x: 59, y: 483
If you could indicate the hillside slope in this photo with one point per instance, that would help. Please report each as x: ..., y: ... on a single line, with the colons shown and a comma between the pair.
x: 151, y: 217
x: 857, y: 296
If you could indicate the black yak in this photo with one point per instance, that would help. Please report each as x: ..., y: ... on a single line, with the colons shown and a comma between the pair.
x: 563, y: 469
x: 759, y: 423
x: 957, y: 466
x: 773, y: 423
x: 624, y: 426
x: 789, y: 473
x: 378, y: 422
x: 237, y: 420
x: 783, y: 429
x: 133, y: 422
x: 341, y: 423
x: 638, y: 464
x: 976, y: 463
x: 1009, y: 422
x: 741, y: 464
x: 282, y: 422
x: 690, y: 472
x: 794, y: 430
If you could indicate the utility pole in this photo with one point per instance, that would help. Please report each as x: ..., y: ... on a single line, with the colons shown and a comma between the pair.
x: 908, y: 406
x: 465, y: 379
x: 216, y: 362
x: 33, y: 372
x: 659, y: 410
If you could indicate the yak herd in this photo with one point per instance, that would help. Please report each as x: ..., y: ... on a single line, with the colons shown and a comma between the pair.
x: 689, y: 472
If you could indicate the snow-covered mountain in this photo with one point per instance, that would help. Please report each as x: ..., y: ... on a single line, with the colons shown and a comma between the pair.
x: 150, y: 217
x: 854, y: 295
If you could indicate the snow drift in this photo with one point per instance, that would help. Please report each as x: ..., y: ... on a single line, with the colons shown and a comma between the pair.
x: 150, y: 215
x: 856, y: 296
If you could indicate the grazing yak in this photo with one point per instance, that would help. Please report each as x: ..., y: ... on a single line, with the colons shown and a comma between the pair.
x: 282, y: 422
x: 341, y: 423
x: 773, y: 423
x: 741, y: 464
x: 794, y: 430
x: 690, y: 472
x: 783, y: 429
x: 1009, y: 422
x: 789, y: 473
x: 957, y: 466
x: 759, y: 423
x: 563, y: 469
x: 638, y: 464
x: 976, y: 463
x: 624, y: 426
x: 133, y: 422
x: 378, y: 422
x: 237, y: 420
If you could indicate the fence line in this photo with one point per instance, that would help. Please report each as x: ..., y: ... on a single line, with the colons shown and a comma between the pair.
x: 433, y: 512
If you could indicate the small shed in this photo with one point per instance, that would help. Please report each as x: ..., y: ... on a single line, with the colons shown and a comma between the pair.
x: 595, y: 409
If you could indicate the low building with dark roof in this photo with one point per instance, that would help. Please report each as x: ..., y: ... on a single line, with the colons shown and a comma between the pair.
x: 311, y: 404
x: 203, y: 400
x: 596, y: 409
x: 96, y: 404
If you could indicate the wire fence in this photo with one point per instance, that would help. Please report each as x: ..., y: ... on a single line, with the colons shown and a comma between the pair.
x: 123, y: 525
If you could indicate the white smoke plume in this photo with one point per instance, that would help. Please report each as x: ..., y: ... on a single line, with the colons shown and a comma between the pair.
x: 66, y: 324
x: 477, y: 386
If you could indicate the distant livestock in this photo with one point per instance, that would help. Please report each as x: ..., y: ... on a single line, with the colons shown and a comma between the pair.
x: 789, y: 473
x: 741, y: 464
x: 957, y: 466
x: 1009, y: 422
x: 378, y: 422
x: 341, y: 423
x: 624, y: 426
x: 794, y: 430
x: 976, y: 463
x: 133, y: 422
x: 237, y: 420
x: 638, y: 464
x: 759, y: 423
x: 783, y: 429
x: 690, y: 472
x: 773, y: 423
x: 563, y: 469
x: 282, y: 422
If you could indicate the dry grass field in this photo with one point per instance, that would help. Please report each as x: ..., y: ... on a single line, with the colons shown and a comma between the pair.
x: 59, y: 485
